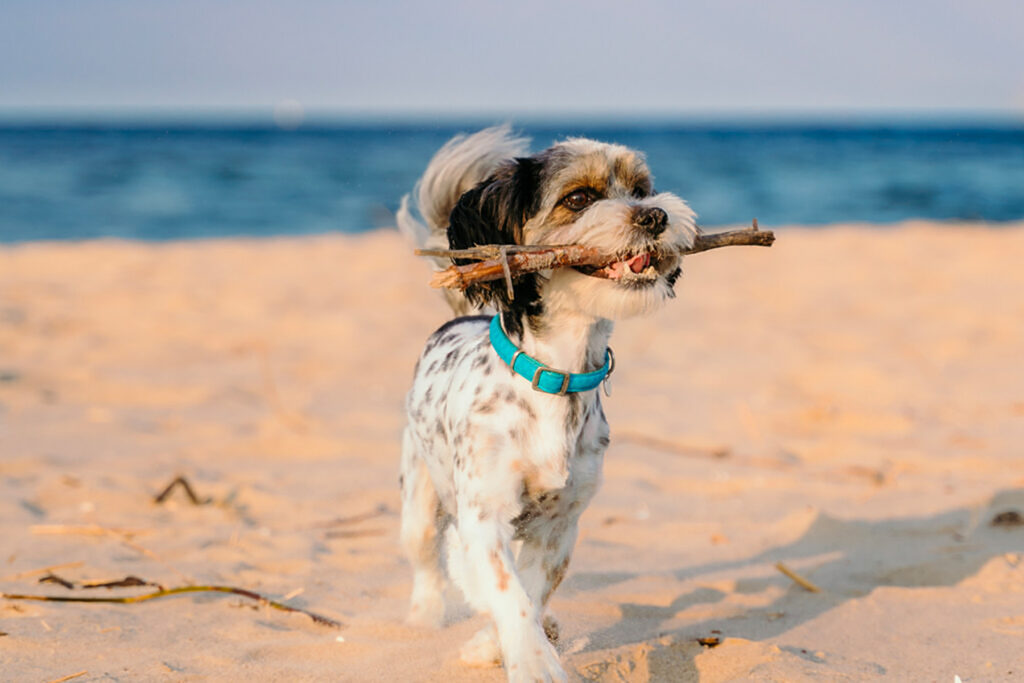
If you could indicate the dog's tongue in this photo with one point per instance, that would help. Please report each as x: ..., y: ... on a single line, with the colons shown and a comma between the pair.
x: 616, y: 270
x: 638, y: 263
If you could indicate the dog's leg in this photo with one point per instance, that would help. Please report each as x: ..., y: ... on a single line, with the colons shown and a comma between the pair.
x: 543, y: 561
x: 541, y: 565
x: 493, y: 585
x: 421, y: 537
x: 482, y: 649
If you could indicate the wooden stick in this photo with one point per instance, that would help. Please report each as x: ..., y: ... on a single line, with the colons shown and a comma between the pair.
x: 43, y: 570
x: 84, y: 530
x: 187, y: 487
x: 381, y: 509
x: 460, y: 277
x: 796, y: 578
x: 510, y: 261
x: 69, y: 677
x: 128, y: 599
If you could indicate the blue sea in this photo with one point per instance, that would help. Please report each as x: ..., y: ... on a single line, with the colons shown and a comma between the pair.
x: 155, y: 181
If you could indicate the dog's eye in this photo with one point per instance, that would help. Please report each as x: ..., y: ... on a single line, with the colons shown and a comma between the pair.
x: 641, y: 191
x: 577, y: 200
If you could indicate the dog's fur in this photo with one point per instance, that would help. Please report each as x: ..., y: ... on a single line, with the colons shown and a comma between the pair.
x: 488, y: 463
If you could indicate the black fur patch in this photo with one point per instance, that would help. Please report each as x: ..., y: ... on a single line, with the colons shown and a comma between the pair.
x: 458, y: 321
x: 494, y: 212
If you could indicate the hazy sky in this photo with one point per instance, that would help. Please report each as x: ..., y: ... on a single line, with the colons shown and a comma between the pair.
x: 527, y: 57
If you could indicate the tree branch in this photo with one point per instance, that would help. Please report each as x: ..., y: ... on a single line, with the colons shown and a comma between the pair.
x: 511, y: 261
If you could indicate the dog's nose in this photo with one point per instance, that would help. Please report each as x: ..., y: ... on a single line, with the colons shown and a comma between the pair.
x: 650, y: 219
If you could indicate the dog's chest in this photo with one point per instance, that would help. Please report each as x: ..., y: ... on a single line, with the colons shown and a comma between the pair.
x: 483, y: 430
x: 543, y: 508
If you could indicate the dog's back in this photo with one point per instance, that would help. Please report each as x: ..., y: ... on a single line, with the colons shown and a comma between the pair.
x: 463, y: 162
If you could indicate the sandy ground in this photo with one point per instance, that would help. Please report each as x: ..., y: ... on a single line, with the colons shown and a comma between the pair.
x: 849, y: 402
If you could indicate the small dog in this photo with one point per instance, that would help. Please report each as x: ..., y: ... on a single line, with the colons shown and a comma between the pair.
x: 506, y: 434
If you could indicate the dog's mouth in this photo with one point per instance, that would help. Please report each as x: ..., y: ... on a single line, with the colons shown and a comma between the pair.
x: 637, y: 269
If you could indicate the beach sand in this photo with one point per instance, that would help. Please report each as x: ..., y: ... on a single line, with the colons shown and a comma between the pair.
x: 849, y: 403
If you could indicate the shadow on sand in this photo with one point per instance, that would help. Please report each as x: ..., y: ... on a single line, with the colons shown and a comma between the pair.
x: 855, y: 558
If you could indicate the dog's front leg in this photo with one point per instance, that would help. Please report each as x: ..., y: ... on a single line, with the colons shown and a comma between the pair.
x: 493, y: 585
x: 542, y: 562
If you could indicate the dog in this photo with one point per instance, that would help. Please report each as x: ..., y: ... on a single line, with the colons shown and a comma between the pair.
x: 506, y: 435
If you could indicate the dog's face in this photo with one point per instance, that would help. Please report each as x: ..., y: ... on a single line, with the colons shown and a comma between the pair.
x: 587, y: 193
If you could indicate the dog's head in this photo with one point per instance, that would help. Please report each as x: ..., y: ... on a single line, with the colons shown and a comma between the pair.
x: 579, y: 192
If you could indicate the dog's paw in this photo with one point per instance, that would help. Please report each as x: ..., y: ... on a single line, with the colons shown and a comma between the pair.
x: 427, y: 608
x: 534, y: 661
x: 425, y: 615
x: 482, y: 650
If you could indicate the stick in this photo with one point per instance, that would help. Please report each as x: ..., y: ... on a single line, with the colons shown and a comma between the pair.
x: 507, y: 272
x: 189, y: 491
x: 797, y: 579
x: 460, y: 277
x: 752, y: 237
x: 381, y: 509
x: 84, y: 530
x: 53, y: 578
x: 509, y: 261
x: 126, y: 582
x: 42, y: 570
x: 663, y: 444
x: 123, y: 535
x: 320, y: 619
x: 354, y: 533
x: 69, y: 677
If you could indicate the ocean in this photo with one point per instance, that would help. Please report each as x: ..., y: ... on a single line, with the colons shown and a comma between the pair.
x: 191, y: 180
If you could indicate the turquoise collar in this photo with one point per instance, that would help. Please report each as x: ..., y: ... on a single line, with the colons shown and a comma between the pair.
x: 542, y: 377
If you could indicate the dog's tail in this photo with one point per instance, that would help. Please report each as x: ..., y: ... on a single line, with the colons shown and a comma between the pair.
x: 458, y: 167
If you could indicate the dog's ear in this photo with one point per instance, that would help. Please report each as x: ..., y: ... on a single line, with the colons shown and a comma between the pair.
x: 494, y: 212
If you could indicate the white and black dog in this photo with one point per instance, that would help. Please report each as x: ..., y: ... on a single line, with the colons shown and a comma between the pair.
x: 506, y: 434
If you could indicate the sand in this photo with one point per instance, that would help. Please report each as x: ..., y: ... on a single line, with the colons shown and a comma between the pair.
x: 849, y: 402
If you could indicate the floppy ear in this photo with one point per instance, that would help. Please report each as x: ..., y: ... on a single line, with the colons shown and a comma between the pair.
x: 494, y: 212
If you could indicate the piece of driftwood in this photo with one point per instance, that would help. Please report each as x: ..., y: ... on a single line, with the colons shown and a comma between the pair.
x: 510, y: 261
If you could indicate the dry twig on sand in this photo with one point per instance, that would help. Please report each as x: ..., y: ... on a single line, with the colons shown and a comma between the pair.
x: 123, y: 535
x: 84, y: 530
x: 381, y: 509
x: 187, y: 487
x: 69, y: 677
x: 319, y: 619
x: 43, y: 570
x: 797, y: 579
x: 510, y: 261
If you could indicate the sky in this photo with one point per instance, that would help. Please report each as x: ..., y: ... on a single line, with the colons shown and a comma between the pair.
x: 529, y: 57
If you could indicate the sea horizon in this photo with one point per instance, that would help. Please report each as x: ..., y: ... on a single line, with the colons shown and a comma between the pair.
x: 187, y: 177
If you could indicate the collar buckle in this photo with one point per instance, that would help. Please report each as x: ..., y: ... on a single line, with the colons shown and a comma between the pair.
x: 537, y: 377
